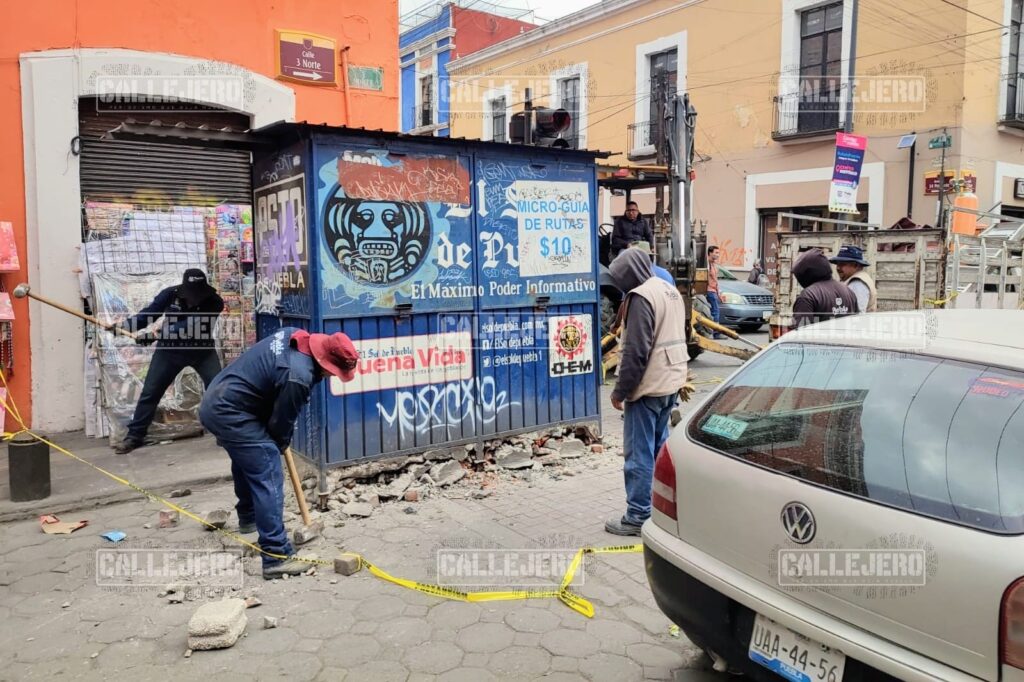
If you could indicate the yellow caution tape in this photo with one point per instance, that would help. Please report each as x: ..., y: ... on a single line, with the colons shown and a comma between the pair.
x: 563, y: 593
x: 942, y: 301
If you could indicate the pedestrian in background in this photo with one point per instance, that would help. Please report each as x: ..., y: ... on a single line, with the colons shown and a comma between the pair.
x: 630, y: 229
x: 755, y: 273
x: 651, y: 373
x: 185, y: 339
x: 251, y: 408
x: 850, y: 264
x: 714, y: 295
x: 822, y: 297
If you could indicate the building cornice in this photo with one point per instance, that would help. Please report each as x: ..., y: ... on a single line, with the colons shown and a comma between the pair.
x: 585, y: 16
x: 428, y: 40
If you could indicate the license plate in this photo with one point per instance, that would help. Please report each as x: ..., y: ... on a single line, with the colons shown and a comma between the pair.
x: 793, y: 656
x: 766, y: 315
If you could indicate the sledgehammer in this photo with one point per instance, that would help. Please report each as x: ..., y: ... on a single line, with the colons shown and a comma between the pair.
x: 23, y: 290
x: 309, y: 531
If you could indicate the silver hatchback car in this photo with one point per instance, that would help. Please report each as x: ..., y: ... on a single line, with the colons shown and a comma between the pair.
x: 850, y: 504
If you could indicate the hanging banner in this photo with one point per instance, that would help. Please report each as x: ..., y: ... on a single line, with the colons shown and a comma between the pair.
x: 842, y: 197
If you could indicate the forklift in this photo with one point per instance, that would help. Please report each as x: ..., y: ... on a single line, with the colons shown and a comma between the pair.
x: 684, y: 252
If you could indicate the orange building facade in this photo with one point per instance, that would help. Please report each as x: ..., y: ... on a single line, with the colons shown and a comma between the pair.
x: 52, y: 56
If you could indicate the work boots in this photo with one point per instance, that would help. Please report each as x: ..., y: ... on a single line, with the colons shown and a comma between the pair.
x: 289, y: 567
x: 128, y: 444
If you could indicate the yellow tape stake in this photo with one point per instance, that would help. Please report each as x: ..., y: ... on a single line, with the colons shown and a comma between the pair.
x: 563, y: 593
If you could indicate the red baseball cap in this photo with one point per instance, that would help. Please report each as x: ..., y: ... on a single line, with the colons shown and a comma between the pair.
x: 335, y: 353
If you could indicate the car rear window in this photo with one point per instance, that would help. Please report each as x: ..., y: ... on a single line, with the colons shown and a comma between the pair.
x: 937, y: 437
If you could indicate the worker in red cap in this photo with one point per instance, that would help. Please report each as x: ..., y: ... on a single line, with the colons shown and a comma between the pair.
x: 251, y: 408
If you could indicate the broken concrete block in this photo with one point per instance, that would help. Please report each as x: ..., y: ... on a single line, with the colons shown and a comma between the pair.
x: 481, y: 494
x: 398, y: 486
x: 437, y: 455
x: 357, y: 509
x: 570, y: 447
x: 347, y: 564
x: 217, y: 625
x: 412, y: 495
x: 176, y: 598
x: 304, y: 534
x: 514, y: 458
x: 372, y: 499
x: 597, y: 448
x: 218, y: 518
x: 184, y: 492
x: 168, y: 519
x: 548, y: 460
x: 269, y: 622
x: 447, y: 473
x: 334, y: 505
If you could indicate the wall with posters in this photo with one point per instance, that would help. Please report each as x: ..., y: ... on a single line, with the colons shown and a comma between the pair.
x: 464, y: 272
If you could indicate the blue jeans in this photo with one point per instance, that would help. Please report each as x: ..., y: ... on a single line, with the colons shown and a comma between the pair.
x: 645, y: 431
x: 166, y: 365
x: 714, y: 302
x: 259, y: 487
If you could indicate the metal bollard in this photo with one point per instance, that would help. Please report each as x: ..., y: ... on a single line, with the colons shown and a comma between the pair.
x: 28, y: 468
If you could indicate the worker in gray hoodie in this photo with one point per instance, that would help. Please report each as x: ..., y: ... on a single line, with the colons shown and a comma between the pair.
x: 822, y: 297
x: 652, y: 370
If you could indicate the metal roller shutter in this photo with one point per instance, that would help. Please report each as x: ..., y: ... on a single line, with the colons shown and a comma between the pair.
x: 161, y: 174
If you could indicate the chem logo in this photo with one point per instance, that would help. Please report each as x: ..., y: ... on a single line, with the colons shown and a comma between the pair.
x: 380, y: 243
x: 571, y: 351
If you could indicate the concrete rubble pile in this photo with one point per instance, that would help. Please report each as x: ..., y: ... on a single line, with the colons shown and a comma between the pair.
x: 463, y: 471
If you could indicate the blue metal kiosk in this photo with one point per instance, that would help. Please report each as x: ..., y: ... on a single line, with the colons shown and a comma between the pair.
x: 465, y: 272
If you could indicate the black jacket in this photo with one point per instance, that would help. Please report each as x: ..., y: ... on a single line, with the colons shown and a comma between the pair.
x: 184, y: 326
x: 625, y: 232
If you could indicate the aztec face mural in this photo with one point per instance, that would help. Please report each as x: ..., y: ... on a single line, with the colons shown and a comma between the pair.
x: 380, y: 243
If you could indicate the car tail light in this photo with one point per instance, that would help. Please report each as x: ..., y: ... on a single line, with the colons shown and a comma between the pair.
x: 1011, y: 627
x: 664, y: 497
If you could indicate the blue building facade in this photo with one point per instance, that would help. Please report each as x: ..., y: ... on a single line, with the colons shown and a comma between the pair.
x: 424, y: 53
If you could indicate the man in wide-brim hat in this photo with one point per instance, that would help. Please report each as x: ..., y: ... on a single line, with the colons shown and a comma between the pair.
x: 850, y: 264
x: 251, y: 408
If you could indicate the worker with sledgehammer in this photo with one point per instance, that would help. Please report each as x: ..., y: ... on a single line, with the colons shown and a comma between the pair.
x: 186, y: 339
x: 251, y: 408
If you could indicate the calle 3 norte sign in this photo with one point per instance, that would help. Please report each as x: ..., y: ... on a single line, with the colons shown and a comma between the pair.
x: 306, y: 57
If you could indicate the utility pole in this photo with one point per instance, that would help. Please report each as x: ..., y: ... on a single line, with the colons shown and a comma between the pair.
x: 942, y: 183
x: 851, y: 68
x: 528, y: 119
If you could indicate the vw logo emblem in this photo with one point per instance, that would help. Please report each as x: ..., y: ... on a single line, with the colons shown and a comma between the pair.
x: 798, y: 522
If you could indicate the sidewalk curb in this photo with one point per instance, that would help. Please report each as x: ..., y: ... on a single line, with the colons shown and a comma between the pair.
x: 62, y: 504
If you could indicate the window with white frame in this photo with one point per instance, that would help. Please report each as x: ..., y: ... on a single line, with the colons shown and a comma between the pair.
x: 426, y: 108
x: 664, y: 72
x: 569, y: 99
x: 1014, y: 76
x: 499, y: 119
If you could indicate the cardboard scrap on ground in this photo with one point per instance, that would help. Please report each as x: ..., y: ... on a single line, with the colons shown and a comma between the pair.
x: 51, y: 525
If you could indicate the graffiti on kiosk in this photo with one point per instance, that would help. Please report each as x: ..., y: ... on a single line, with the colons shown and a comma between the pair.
x: 268, y: 297
x: 390, y: 244
x: 447, y: 409
x: 440, y: 179
x: 380, y: 243
x: 280, y: 242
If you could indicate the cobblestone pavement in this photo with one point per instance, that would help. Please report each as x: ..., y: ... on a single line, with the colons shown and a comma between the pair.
x: 55, y: 620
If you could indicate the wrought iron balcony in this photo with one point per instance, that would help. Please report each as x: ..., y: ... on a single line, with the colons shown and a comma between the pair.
x: 645, y: 140
x: 1013, y: 115
x: 801, y: 115
x: 422, y: 116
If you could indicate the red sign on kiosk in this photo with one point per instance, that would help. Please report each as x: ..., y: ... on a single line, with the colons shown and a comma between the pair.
x: 306, y: 58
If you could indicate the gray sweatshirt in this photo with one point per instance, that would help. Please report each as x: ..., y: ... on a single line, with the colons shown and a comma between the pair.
x: 630, y: 269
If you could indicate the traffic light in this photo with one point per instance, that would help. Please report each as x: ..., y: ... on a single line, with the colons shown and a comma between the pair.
x: 547, y: 125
